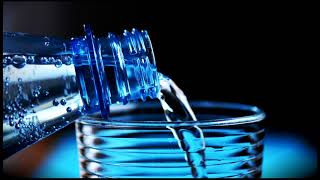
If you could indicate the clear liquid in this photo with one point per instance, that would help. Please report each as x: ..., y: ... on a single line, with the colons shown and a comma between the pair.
x: 118, y: 150
x: 40, y: 96
x: 191, y: 140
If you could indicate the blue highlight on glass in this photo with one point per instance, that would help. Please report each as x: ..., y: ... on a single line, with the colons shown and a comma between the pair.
x: 285, y: 155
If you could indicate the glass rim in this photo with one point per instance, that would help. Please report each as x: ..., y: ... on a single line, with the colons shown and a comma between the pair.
x: 256, y: 115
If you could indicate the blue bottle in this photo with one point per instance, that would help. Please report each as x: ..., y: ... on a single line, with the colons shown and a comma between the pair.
x: 49, y: 82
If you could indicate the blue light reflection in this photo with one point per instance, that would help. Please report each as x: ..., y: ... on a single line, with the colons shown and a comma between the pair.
x: 285, y: 156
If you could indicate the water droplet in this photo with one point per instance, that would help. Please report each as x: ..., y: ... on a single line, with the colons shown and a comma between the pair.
x: 44, y: 60
x: 47, y: 43
x: 16, y: 115
x: 67, y: 121
x: 69, y: 109
x: 20, y: 120
x: 6, y: 61
x: 21, y: 114
x: 67, y: 60
x: 36, y: 93
x: 11, y: 123
x: 63, y: 102
x: 58, y: 63
x: 30, y: 59
x: 19, y: 61
x: 20, y: 79
x: 55, y: 102
x: 51, y: 59
x: 9, y: 108
x: 17, y: 126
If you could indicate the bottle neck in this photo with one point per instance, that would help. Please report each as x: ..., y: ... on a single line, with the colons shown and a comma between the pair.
x: 114, y: 69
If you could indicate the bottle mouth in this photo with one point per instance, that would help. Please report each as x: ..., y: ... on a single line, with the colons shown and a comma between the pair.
x: 122, y: 69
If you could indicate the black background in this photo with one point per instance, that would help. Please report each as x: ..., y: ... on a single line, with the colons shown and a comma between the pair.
x: 250, y: 53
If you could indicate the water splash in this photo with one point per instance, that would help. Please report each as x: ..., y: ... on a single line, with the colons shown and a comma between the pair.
x: 55, y: 102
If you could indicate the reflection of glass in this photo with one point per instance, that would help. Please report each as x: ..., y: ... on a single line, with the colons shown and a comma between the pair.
x: 137, y: 141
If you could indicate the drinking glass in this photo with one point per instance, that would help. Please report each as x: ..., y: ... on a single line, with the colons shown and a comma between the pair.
x: 137, y: 141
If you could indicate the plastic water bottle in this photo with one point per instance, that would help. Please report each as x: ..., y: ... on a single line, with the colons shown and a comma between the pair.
x: 49, y: 82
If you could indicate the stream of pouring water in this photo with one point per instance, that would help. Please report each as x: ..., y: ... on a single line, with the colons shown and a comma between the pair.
x: 190, y: 139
